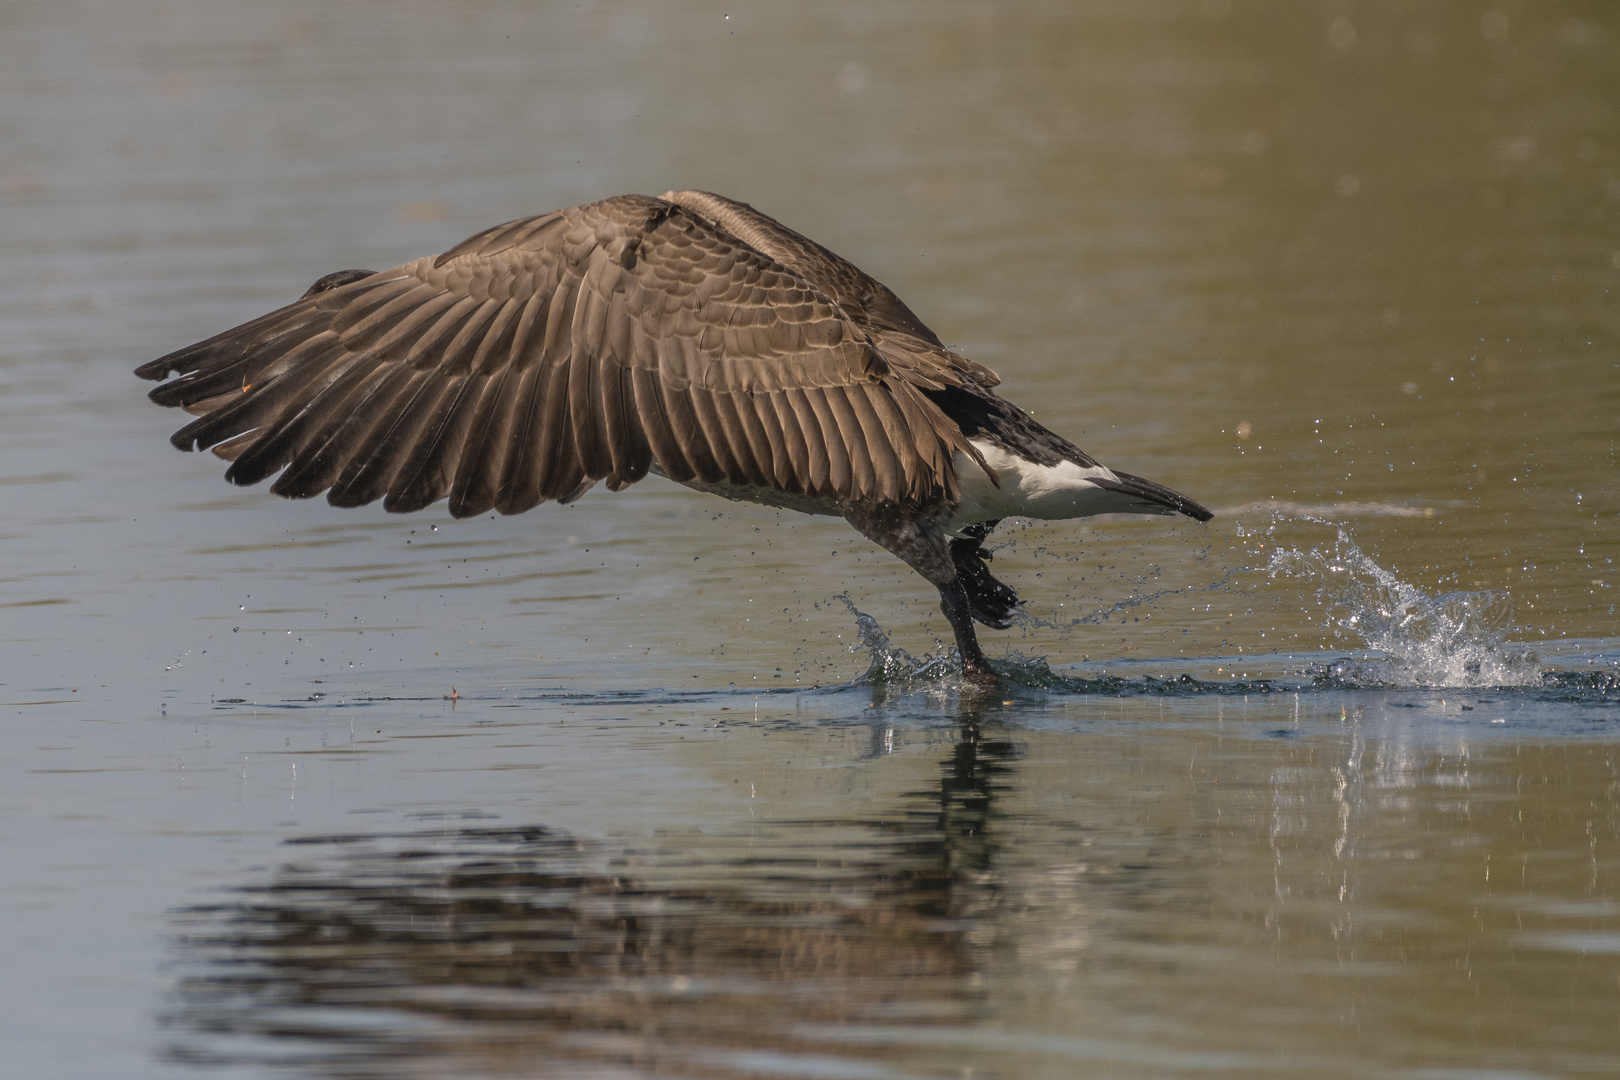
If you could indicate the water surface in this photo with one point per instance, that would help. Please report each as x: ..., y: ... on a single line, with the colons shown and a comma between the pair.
x: 658, y: 785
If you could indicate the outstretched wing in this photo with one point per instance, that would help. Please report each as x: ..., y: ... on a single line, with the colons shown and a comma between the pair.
x: 543, y: 355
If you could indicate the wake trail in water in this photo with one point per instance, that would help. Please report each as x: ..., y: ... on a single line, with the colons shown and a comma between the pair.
x: 1457, y: 640
x: 941, y: 670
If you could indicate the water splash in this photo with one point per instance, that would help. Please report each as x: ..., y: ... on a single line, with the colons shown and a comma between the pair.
x: 941, y: 670
x: 1458, y: 639
x: 891, y: 665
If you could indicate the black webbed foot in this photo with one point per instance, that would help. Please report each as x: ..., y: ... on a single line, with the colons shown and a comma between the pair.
x: 993, y: 601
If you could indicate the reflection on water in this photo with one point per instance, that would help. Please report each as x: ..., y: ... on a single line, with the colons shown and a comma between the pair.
x: 1294, y: 896
x: 476, y: 950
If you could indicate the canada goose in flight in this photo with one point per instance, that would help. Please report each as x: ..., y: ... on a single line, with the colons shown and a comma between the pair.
x: 688, y: 335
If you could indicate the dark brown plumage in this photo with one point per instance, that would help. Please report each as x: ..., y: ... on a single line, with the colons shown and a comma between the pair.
x: 688, y: 333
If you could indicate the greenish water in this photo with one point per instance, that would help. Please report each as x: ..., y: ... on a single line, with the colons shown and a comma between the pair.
x: 658, y: 785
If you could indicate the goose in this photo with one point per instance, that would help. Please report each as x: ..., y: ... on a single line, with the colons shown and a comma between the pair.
x: 688, y: 335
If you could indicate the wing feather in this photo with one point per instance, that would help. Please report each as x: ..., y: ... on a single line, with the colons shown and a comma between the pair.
x: 477, y: 483
x: 548, y: 353
x: 888, y: 474
x: 244, y: 410
x: 323, y: 464
x: 795, y: 410
x: 426, y: 475
x: 518, y: 486
x: 793, y: 471
x: 737, y: 453
x: 863, y: 480
x: 630, y: 455
x: 654, y: 414
x: 481, y: 467
x: 588, y: 336
x: 392, y: 449
x: 229, y: 364
x: 749, y: 412
x: 559, y: 469
x: 362, y: 331
x: 839, y: 475
x: 770, y: 442
x: 296, y: 429
x: 682, y: 406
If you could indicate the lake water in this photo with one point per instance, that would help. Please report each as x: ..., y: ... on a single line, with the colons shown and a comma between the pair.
x: 654, y: 784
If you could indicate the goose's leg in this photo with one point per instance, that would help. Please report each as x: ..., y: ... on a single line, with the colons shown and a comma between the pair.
x: 918, y: 540
x: 953, y: 601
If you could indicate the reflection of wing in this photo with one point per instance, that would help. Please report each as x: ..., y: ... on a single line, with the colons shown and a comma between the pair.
x: 545, y: 354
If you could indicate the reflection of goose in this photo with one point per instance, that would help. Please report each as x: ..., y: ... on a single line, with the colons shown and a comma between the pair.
x: 688, y: 334
x: 508, y: 951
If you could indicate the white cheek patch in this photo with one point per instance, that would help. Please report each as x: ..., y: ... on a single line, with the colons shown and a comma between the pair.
x: 1052, y: 492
